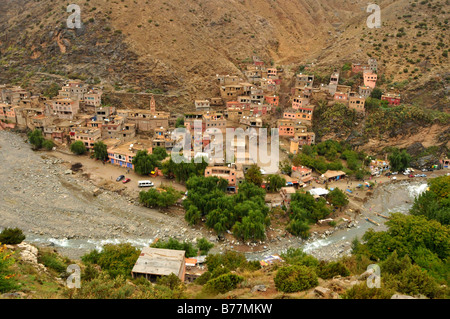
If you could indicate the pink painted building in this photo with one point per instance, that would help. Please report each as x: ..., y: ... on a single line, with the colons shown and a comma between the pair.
x: 370, y: 79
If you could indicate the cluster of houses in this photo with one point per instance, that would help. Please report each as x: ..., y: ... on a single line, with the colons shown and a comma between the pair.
x: 77, y: 114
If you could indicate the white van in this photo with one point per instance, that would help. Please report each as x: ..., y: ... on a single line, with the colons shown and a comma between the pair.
x: 145, y: 184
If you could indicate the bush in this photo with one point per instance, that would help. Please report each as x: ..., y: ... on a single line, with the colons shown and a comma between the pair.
x: 78, y: 148
x: 7, y: 281
x: 172, y: 243
x: 53, y: 261
x: 48, y: 145
x: 114, y: 259
x: 223, y: 283
x: 295, y: 278
x: 11, y: 236
x: 332, y: 269
x: 361, y: 291
x: 204, y: 245
x: 231, y: 260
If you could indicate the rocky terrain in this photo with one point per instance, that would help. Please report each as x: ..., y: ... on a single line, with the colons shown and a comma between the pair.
x: 174, y: 48
x: 44, y: 199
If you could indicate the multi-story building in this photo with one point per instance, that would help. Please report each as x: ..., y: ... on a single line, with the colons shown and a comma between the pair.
x: 73, y: 89
x: 304, y: 80
x: 364, y: 91
x: 89, y: 136
x: 65, y: 108
x: 224, y: 172
x: 357, y: 103
x: 370, y: 79
x: 202, y: 105
x: 93, y: 97
x: 122, y: 155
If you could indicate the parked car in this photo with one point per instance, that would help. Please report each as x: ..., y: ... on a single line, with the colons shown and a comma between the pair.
x: 388, y: 174
x: 121, y: 177
x: 126, y: 180
x: 145, y: 184
x: 394, y: 173
x: 411, y: 175
x: 421, y: 175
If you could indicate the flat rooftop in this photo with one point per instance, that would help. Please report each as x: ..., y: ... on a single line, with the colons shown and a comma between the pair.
x: 157, y: 261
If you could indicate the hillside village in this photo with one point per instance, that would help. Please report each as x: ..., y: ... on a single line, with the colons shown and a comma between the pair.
x: 77, y: 113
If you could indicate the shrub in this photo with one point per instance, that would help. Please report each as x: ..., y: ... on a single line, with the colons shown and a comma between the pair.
x: 78, y: 148
x: 362, y: 291
x: 114, y: 259
x: 332, y: 269
x: 48, y: 145
x: 204, y: 245
x: 172, y: 243
x: 223, y: 283
x: 11, y: 236
x: 52, y: 261
x: 7, y: 281
x: 295, y: 278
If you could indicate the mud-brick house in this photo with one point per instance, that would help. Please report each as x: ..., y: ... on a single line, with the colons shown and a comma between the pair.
x: 202, y: 105
x: 7, y: 113
x: 65, y: 108
x: 364, y: 91
x: 89, y: 136
x: 357, y: 103
x: 304, y: 80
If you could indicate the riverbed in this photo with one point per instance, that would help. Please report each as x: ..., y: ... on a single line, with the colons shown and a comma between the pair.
x: 58, y: 210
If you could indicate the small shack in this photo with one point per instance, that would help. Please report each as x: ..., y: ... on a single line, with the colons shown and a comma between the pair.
x: 330, y: 176
x: 154, y: 263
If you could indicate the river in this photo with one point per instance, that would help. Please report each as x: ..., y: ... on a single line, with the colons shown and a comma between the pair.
x: 388, y: 198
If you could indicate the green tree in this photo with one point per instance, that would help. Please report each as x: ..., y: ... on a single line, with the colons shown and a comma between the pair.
x: 11, y: 236
x: 254, y: 175
x: 399, y: 161
x: 78, y: 148
x: 100, y: 151
x: 286, y: 167
x: 223, y: 283
x: 337, y: 198
x: 295, y: 278
x: 160, y: 153
x: 144, y: 163
x: 172, y: 243
x: 36, y: 139
x: 376, y: 93
x: 163, y: 197
x: 52, y: 91
x: 48, y: 145
x: 179, y: 122
x: 204, y: 245
x: 275, y: 182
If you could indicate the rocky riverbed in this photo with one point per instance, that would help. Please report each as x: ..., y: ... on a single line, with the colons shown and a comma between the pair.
x: 55, y: 207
